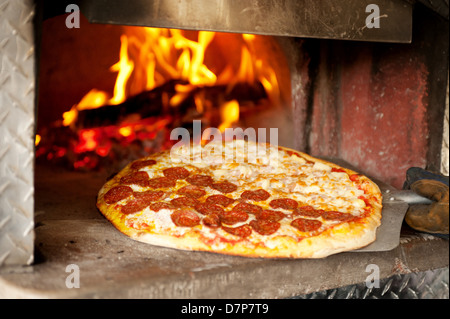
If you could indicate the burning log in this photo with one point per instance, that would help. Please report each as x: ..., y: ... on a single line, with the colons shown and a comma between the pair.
x: 176, y: 88
x: 111, y: 135
x: 146, y: 104
x: 155, y: 102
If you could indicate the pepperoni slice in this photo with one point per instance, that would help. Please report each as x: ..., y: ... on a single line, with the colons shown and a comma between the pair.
x: 256, y: 195
x: 247, y: 208
x: 233, y: 217
x: 192, y: 191
x: 224, y: 187
x: 156, y: 207
x: 308, y: 211
x: 337, y: 216
x: 284, y: 203
x: 241, y: 231
x: 306, y: 225
x: 176, y: 172
x: 206, y: 209
x: 271, y: 215
x: 161, y: 182
x: 137, y: 178
x: 265, y: 227
x: 212, y: 220
x: 149, y: 196
x: 185, y: 218
x: 141, y: 200
x: 200, y: 180
x: 140, y: 164
x: 134, y: 206
x: 221, y: 200
x: 184, y: 202
x: 117, y: 193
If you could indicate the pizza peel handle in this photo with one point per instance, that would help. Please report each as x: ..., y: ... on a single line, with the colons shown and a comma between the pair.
x: 408, y: 196
x: 395, y: 206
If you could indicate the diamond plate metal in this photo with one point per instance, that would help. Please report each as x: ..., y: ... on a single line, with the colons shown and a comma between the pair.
x: 17, y: 83
x: 430, y: 284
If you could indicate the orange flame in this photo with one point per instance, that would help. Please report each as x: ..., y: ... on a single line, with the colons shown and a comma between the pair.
x: 230, y: 115
x: 93, y: 99
x: 37, y: 140
x: 125, y: 67
x: 149, y: 57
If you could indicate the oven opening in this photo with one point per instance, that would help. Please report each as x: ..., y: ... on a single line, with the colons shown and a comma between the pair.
x: 117, y: 92
x: 103, y: 95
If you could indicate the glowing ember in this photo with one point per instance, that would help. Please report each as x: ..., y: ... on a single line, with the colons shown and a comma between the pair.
x: 125, y: 131
x: 88, y: 141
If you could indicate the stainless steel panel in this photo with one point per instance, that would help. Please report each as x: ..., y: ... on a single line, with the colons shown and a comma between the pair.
x: 332, y: 19
x: 430, y: 284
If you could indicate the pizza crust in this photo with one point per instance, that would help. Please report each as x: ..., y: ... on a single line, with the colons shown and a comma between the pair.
x: 342, y: 237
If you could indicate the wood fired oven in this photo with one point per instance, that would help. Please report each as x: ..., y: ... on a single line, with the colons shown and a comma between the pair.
x: 363, y: 83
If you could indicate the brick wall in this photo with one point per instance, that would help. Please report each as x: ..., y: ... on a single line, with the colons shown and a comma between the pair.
x: 379, y: 106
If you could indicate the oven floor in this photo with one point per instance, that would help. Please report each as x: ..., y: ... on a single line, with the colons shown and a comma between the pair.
x: 72, y: 238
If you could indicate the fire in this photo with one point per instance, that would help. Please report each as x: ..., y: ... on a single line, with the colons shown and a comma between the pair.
x: 37, y: 140
x: 93, y: 99
x: 124, y: 68
x: 230, y: 115
x: 264, y: 74
x: 149, y: 58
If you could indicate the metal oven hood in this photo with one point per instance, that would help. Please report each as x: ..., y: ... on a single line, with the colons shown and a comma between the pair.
x: 329, y: 19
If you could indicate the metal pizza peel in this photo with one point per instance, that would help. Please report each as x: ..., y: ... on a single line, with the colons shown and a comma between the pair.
x: 395, y: 205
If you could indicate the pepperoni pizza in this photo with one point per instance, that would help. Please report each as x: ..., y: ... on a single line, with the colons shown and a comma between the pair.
x: 243, y: 198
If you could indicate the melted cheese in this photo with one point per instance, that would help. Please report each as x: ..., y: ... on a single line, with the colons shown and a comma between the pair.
x: 278, y: 173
